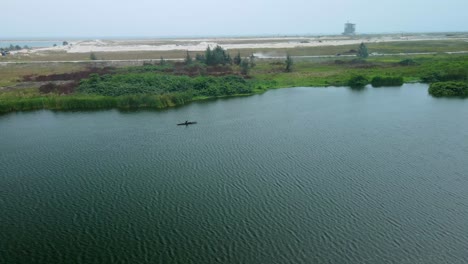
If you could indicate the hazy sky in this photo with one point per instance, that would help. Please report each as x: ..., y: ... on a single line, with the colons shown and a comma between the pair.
x: 152, y: 18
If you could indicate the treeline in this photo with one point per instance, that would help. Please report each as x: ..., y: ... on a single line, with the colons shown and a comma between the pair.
x: 157, y: 84
x: 13, y: 47
x: 217, y: 56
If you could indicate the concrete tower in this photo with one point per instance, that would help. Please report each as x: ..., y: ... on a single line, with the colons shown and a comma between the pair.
x: 349, y: 29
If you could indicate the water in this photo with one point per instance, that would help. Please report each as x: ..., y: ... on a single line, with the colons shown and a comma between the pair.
x: 302, y: 175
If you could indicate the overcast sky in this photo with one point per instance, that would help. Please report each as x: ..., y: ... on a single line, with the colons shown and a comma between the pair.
x: 153, y: 18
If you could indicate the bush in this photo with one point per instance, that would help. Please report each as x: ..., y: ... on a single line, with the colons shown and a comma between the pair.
x: 379, y: 81
x: 157, y: 84
x: 362, y: 51
x: 407, y: 62
x: 358, y: 81
x: 453, y: 75
x: 449, y: 89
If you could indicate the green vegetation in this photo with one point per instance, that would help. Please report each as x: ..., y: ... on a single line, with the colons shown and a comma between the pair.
x: 358, y: 81
x: 217, y: 56
x: 443, y: 75
x: 237, y: 59
x: 289, y: 63
x: 159, y: 85
x: 245, y: 66
x: 379, y: 81
x: 188, y: 59
x: 362, y: 51
x: 74, y: 102
x: 407, y: 62
x: 13, y: 47
x: 92, y: 56
x: 337, y: 72
x: 449, y: 89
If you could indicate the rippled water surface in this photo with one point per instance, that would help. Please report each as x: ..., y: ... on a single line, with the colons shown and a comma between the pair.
x: 302, y: 175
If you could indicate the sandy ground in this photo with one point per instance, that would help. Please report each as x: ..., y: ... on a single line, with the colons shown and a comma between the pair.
x: 87, y: 46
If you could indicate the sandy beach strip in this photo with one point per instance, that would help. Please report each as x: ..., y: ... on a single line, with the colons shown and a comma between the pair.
x: 88, y: 46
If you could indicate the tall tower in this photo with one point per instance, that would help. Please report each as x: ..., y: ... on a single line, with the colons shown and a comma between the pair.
x: 349, y: 29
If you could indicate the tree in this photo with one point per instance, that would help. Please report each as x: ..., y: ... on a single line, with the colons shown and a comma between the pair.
x: 200, y: 58
x: 289, y: 63
x: 228, y: 59
x: 208, y: 56
x: 216, y: 56
x: 245, y: 67
x: 252, y: 61
x: 188, y: 59
x: 162, y: 61
x: 358, y: 81
x: 362, y: 51
x: 92, y: 56
x: 237, y: 59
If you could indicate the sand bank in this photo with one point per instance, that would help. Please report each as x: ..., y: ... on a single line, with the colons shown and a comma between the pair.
x: 86, y: 46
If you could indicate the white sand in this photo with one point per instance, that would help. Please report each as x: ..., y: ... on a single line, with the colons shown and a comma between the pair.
x: 227, y: 43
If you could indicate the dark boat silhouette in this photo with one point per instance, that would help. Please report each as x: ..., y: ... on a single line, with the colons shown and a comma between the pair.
x: 186, y: 123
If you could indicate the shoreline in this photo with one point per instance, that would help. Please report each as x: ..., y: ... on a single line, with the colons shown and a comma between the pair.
x: 200, y: 44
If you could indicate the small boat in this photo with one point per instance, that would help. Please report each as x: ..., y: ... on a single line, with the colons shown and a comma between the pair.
x: 186, y: 123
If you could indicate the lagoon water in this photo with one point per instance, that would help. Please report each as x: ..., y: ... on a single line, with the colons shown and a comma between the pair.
x: 301, y: 175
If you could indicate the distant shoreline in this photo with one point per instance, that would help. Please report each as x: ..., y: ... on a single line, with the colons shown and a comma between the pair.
x: 279, y: 35
x: 229, y: 43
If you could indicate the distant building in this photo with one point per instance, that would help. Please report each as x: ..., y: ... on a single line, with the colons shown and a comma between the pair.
x: 349, y: 29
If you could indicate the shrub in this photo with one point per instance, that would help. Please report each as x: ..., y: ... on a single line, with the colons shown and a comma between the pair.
x: 379, y: 81
x: 441, y: 76
x: 362, y: 51
x: 157, y: 84
x: 449, y: 89
x: 358, y: 81
x: 407, y: 62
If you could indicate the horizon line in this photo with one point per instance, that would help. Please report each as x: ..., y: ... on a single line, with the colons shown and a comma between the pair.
x: 130, y: 37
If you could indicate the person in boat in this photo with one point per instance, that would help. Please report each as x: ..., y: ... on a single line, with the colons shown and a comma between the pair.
x: 186, y: 122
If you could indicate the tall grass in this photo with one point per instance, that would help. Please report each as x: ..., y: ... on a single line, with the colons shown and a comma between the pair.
x: 85, y: 102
